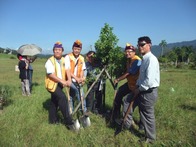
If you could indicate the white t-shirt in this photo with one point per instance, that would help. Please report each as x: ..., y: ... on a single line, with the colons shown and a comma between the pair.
x: 76, y: 67
x: 51, y: 69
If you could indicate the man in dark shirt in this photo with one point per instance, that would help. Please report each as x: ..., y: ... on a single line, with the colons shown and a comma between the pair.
x: 94, y: 98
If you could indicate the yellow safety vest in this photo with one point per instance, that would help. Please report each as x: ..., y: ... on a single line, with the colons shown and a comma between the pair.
x: 80, y: 63
x: 49, y: 83
x: 132, y: 79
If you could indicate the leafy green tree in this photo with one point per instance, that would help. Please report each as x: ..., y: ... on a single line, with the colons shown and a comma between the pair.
x: 194, y: 58
x: 109, y: 53
x: 107, y: 49
x: 177, y: 50
x: 163, y: 60
x: 188, y: 53
x: 163, y: 44
x: 183, y: 53
x: 172, y: 56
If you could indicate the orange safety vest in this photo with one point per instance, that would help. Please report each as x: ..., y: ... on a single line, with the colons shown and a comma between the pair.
x: 132, y: 79
x: 49, y: 83
x: 79, y: 64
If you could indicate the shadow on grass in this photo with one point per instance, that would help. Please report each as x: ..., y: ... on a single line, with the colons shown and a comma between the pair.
x: 187, y: 107
x: 107, y: 113
x: 60, y: 119
x: 46, y: 104
x: 34, y: 84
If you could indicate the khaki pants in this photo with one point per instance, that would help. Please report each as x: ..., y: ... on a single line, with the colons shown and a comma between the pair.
x: 25, y: 87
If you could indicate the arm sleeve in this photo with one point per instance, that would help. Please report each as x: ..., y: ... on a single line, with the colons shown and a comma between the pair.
x: 49, y: 67
x: 134, y: 67
x: 84, y: 66
x: 67, y: 62
x: 22, y: 65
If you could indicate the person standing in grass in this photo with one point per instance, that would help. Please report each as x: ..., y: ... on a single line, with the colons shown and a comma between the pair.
x: 31, y: 60
x: 23, y: 66
x: 58, y: 77
x: 131, y: 74
x: 77, y: 67
x: 147, y: 91
x: 94, y: 98
x: 30, y: 75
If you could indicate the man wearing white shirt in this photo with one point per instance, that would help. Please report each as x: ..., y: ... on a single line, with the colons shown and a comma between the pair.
x: 57, y: 77
x: 147, y: 91
x: 77, y: 67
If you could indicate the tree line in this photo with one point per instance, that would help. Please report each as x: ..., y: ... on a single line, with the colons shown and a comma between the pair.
x: 178, y: 55
x: 112, y: 55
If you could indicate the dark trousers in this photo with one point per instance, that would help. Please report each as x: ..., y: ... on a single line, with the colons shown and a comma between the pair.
x: 59, y: 99
x: 30, y: 79
x: 94, y: 98
x: 122, y: 91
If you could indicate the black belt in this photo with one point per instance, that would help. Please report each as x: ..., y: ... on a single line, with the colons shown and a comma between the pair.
x: 149, y: 90
x: 152, y: 88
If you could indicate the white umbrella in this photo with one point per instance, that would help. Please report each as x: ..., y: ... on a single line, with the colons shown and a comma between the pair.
x: 29, y: 50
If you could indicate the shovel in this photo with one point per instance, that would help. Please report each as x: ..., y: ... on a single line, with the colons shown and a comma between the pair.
x: 68, y: 96
x: 119, y: 129
x: 115, y: 91
x: 76, y: 125
x: 86, y: 94
x: 85, y: 120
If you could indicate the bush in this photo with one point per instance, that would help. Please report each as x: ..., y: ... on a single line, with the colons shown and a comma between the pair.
x: 192, y: 65
x: 12, y: 57
x: 5, y: 93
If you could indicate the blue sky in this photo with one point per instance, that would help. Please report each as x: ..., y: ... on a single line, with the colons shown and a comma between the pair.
x: 43, y: 22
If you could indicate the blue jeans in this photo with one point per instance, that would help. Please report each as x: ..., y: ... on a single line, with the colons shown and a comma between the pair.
x: 30, y: 79
x: 74, y: 92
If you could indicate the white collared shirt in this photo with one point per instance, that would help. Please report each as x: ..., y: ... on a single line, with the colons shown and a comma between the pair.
x: 76, y: 67
x: 149, y: 72
x: 51, y: 69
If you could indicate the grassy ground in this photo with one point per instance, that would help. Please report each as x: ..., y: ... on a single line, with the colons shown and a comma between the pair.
x: 24, y: 121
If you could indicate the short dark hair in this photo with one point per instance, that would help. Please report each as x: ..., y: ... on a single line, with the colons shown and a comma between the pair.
x: 145, y: 38
x: 90, y: 52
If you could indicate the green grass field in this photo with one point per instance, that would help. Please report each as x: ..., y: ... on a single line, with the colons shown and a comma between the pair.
x: 24, y: 120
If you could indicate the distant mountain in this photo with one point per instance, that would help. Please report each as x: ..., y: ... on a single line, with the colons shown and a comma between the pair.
x: 156, y: 49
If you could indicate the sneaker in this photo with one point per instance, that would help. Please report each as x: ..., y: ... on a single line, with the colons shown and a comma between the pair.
x: 125, y: 125
x: 71, y: 125
x: 141, y: 128
x: 149, y: 141
x: 87, y: 113
x: 96, y: 111
x: 118, y: 121
x: 146, y: 141
x: 69, y: 121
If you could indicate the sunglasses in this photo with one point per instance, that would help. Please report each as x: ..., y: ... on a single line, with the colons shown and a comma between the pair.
x: 129, y: 51
x: 141, y: 44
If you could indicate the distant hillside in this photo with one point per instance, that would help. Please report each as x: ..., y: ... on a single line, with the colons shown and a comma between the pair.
x: 156, y: 49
